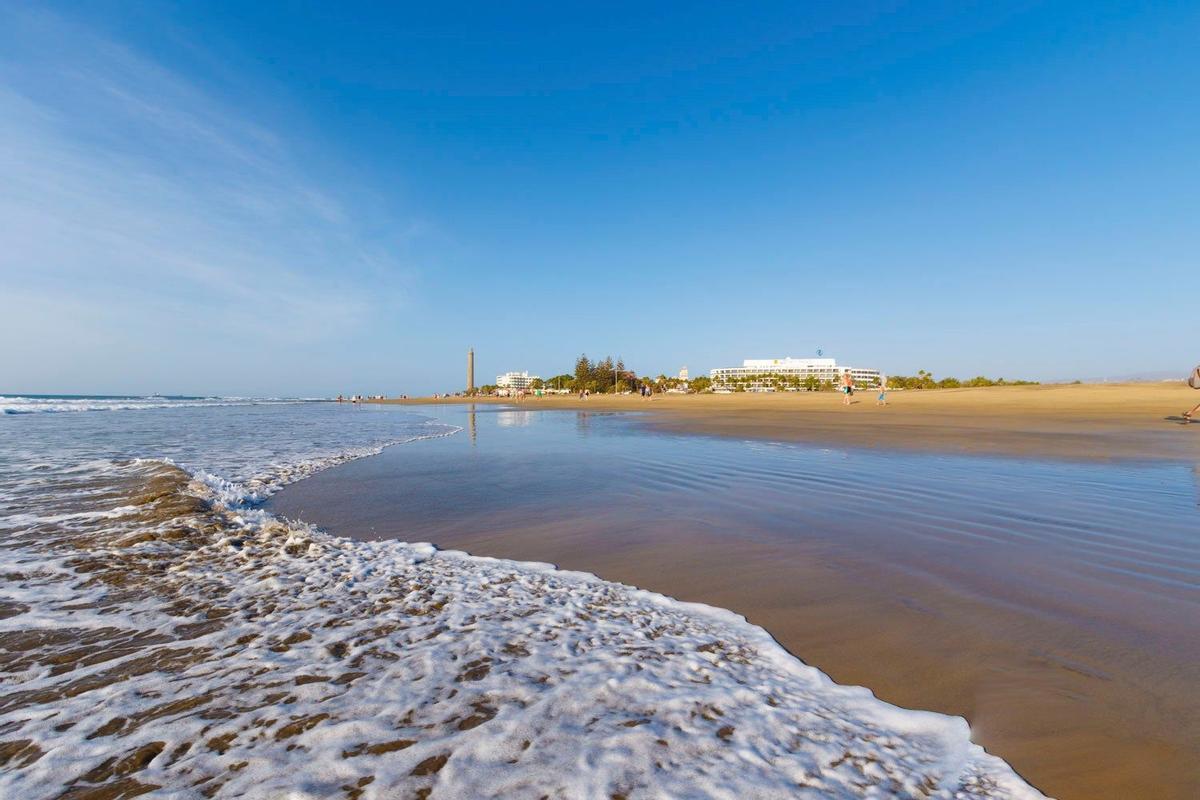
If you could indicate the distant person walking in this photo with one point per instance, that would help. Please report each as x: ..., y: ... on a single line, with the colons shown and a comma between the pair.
x: 847, y: 387
x: 1194, y: 382
x: 882, y: 399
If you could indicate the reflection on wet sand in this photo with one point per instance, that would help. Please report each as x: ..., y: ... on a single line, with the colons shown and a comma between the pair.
x: 1053, y: 605
x: 513, y: 419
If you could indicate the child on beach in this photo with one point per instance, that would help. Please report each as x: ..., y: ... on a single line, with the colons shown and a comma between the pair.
x: 882, y: 399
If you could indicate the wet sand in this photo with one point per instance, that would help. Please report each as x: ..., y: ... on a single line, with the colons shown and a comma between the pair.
x: 1075, y: 421
x: 1085, y: 681
x: 1041, y: 693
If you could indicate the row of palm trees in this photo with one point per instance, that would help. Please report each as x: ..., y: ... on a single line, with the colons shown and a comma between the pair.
x: 778, y: 382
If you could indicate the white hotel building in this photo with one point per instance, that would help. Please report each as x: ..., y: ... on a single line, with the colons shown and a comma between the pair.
x: 515, y: 380
x: 759, y: 374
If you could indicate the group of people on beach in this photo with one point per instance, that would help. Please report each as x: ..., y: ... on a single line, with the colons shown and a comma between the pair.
x: 644, y: 390
x: 848, y: 389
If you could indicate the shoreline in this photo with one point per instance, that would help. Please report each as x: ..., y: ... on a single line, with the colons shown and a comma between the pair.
x: 1053, y: 691
x: 1077, y: 422
x: 272, y: 658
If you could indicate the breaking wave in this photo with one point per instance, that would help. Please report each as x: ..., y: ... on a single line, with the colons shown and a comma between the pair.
x: 49, y: 404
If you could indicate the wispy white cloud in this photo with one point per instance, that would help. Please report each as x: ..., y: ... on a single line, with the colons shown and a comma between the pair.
x: 134, y: 192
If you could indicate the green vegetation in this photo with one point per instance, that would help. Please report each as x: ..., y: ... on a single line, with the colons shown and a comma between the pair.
x: 602, y: 377
x: 780, y: 383
x: 811, y: 383
x: 610, y: 375
x: 925, y: 380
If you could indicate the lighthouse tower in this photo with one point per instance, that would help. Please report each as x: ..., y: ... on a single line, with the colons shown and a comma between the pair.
x: 470, y: 370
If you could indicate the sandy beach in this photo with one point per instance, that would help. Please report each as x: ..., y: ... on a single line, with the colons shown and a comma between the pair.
x: 1075, y: 421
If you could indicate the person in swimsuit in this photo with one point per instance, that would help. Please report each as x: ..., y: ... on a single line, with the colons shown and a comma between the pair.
x: 882, y: 399
x: 1194, y: 382
x: 847, y: 387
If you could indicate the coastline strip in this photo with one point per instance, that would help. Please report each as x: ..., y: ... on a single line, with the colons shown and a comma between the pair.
x: 1088, y: 422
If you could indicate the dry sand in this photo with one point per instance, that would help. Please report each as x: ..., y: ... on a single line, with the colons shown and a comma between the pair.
x: 1077, y: 421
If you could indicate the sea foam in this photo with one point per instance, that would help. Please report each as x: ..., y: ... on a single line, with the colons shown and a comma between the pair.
x: 50, y: 404
x: 161, y: 633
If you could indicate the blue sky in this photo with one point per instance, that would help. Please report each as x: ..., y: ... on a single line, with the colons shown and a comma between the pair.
x: 313, y: 198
